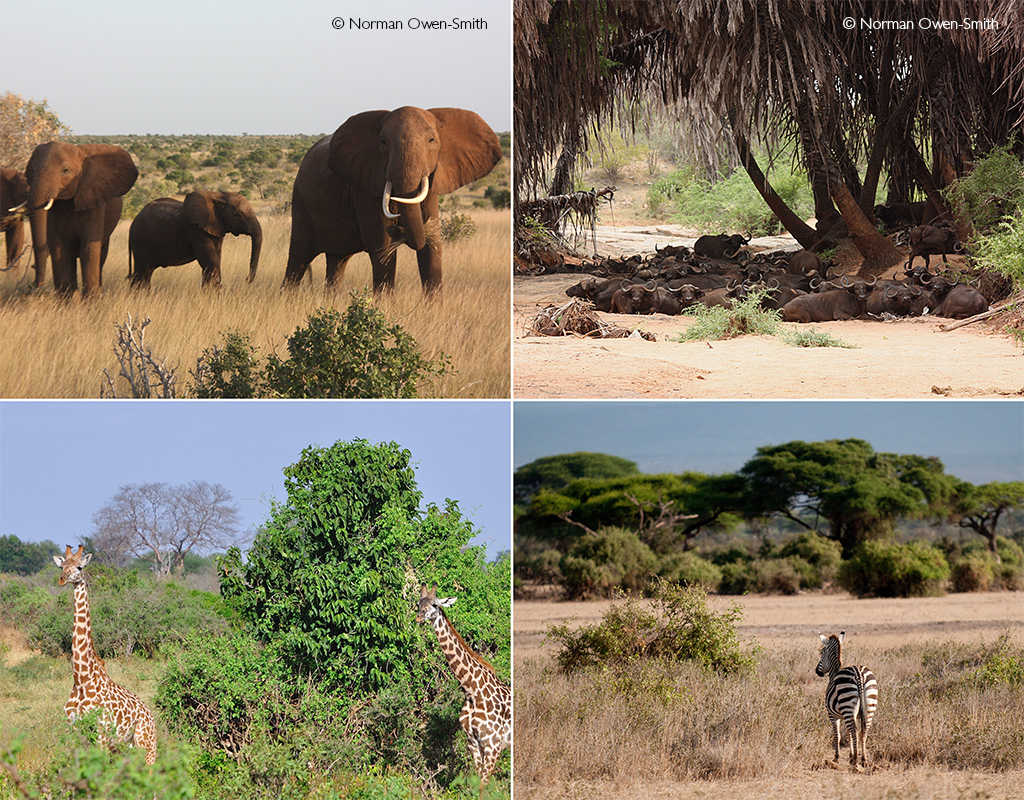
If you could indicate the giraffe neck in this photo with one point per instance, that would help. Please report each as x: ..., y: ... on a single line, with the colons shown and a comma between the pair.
x: 470, y: 671
x: 85, y: 664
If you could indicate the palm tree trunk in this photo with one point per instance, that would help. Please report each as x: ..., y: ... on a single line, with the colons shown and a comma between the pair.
x: 801, y: 231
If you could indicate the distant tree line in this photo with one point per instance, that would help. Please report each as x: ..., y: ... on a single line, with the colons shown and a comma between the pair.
x: 586, y: 511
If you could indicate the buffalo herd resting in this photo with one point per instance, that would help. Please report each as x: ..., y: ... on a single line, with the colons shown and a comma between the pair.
x: 800, y: 285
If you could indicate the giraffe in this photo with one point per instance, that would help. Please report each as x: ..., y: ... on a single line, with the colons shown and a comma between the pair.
x: 487, y: 713
x: 93, y: 688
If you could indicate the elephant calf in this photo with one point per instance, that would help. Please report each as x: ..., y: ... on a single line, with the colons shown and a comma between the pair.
x: 169, y: 232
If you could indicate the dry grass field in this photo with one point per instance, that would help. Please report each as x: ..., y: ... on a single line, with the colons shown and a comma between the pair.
x: 944, y: 729
x: 59, y: 349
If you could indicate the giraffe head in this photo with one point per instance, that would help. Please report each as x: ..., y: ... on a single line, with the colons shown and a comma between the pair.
x: 430, y: 605
x: 72, y: 564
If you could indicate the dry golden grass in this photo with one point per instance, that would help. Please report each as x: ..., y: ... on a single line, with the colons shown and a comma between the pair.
x: 59, y: 349
x: 653, y: 730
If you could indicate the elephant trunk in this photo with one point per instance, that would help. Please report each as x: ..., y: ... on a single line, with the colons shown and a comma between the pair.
x: 256, y: 234
x: 37, y: 224
x: 410, y: 213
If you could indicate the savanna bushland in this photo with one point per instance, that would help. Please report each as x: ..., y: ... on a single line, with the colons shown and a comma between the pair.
x: 292, y: 670
x: 662, y: 695
x: 796, y: 516
x: 67, y: 349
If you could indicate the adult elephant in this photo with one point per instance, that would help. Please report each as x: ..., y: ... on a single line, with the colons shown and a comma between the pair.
x: 347, y: 184
x: 81, y: 187
x: 13, y: 193
x: 169, y: 232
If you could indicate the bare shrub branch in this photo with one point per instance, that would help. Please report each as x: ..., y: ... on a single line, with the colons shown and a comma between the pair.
x: 147, y: 378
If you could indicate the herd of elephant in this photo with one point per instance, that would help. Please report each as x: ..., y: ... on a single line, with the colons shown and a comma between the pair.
x: 370, y: 187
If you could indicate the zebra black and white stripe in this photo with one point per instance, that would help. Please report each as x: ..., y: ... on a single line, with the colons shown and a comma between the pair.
x: 851, y: 698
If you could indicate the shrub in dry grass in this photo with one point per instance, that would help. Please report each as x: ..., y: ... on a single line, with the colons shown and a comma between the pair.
x: 355, y: 354
x: 678, y: 626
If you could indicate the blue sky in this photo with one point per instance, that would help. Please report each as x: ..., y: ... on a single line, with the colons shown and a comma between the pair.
x: 61, y: 461
x: 978, y: 441
x: 232, y: 67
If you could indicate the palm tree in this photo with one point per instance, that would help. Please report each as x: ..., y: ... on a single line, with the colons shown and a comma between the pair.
x: 775, y: 72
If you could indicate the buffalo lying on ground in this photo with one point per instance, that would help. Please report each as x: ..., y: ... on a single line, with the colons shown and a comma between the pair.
x: 962, y: 302
x: 645, y: 298
x: 846, y: 303
x: 599, y: 292
x: 720, y: 246
x: 803, y: 262
x: 899, y: 299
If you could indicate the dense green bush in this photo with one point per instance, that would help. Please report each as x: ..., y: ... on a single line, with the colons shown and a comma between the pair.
x: 131, y: 612
x: 823, y: 555
x: 614, y: 558
x: 895, y: 570
x: 691, y: 570
x: 676, y: 626
x: 973, y: 573
x: 355, y: 354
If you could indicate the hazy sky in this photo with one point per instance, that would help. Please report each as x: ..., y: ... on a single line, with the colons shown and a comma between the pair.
x: 978, y: 441
x: 234, y: 66
x: 61, y: 461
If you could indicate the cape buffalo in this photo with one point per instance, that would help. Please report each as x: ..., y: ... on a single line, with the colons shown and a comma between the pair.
x: 902, y: 300
x: 931, y: 240
x: 845, y: 303
x: 721, y: 246
x: 599, y: 292
x: 639, y: 298
x: 962, y: 302
x: 898, y: 213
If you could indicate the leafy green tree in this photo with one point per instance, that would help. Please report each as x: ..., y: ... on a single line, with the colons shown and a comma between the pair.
x: 554, y: 472
x: 666, y: 511
x: 25, y: 558
x: 978, y: 508
x: 844, y: 483
x: 331, y: 581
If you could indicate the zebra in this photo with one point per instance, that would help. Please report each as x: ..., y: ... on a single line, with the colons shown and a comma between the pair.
x: 851, y: 697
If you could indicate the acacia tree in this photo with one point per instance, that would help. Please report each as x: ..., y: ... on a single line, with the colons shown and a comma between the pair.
x: 842, y: 488
x: 160, y: 524
x: 978, y: 508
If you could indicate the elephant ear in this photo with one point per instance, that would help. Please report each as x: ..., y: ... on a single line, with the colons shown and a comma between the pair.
x: 469, y: 149
x: 199, y: 211
x: 354, y: 153
x: 107, y: 172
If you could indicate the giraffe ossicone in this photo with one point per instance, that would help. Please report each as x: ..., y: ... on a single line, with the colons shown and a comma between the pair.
x: 487, y: 713
x: 123, y: 714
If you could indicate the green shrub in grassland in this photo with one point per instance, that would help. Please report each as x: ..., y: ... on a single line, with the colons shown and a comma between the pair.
x: 132, y: 613
x: 614, y: 558
x: 895, y: 570
x: 677, y: 625
x: 350, y: 354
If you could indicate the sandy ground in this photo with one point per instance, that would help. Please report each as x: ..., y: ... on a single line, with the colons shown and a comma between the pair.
x: 774, y: 619
x: 780, y: 621
x: 908, y: 358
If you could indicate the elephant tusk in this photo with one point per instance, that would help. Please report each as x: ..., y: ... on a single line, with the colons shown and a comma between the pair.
x: 48, y: 204
x: 424, y: 189
x: 387, y: 202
